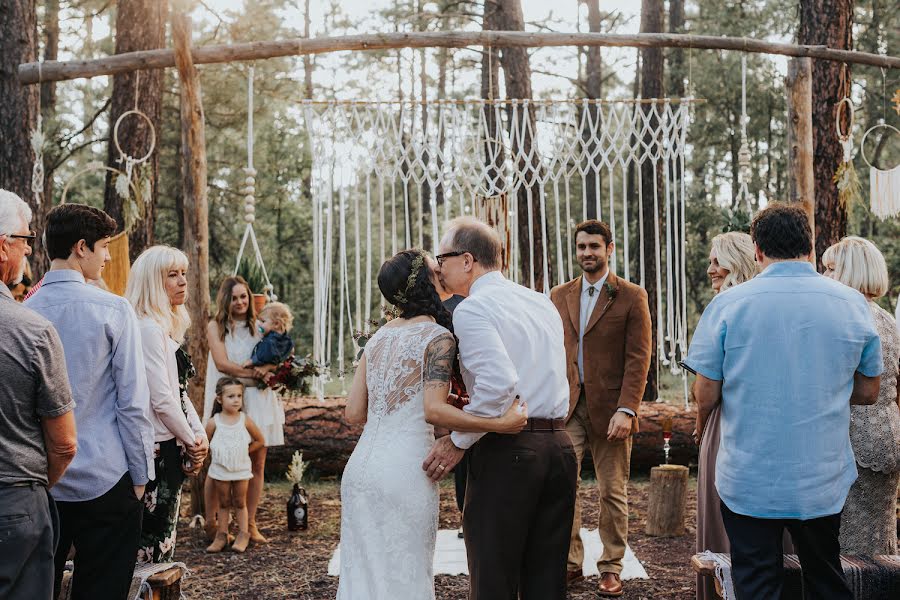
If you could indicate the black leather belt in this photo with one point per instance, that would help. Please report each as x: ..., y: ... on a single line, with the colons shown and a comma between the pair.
x: 537, y: 424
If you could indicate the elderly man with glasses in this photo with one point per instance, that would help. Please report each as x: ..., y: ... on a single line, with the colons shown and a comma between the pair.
x: 35, y: 451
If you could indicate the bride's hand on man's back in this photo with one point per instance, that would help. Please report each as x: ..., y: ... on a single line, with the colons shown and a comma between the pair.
x: 514, y: 419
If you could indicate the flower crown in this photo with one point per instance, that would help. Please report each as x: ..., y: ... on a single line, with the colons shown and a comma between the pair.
x: 418, y: 261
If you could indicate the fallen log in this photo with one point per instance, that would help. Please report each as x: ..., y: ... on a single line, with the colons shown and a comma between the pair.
x: 318, y: 429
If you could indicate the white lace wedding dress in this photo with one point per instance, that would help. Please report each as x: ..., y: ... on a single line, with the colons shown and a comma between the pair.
x: 389, y: 514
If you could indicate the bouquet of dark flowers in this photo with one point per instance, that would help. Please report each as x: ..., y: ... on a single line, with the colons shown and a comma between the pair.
x: 294, y: 375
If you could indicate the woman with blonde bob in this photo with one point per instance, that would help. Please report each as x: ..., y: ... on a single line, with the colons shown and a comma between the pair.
x: 157, y: 289
x: 731, y: 260
x: 868, y: 523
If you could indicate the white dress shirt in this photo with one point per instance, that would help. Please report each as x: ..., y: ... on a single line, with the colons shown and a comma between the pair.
x: 588, y: 302
x: 166, y: 414
x: 510, y: 343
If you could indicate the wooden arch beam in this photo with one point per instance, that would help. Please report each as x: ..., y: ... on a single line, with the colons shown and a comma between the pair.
x: 30, y: 73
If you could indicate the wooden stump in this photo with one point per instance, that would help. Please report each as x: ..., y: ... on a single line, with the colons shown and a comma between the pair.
x: 668, y: 495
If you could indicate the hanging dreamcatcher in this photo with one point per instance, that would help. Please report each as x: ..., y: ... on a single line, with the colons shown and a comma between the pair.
x: 845, y: 177
x: 884, y: 185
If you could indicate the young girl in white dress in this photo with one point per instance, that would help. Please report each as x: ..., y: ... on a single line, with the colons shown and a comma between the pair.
x: 233, y: 436
x: 389, y: 515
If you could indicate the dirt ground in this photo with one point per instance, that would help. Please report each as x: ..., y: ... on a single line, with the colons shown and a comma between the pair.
x: 294, y: 564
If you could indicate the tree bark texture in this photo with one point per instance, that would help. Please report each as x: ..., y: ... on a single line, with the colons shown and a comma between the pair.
x: 593, y: 89
x: 676, y: 55
x: 827, y: 22
x: 196, y: 215
x: 39, y: 260
x: 651, y: 87
x: 668, y: 498
x: 140, y: 25
x: 517, y: 77
x: 20, y: 105
x: 490, y: 88
x: 801, y: 169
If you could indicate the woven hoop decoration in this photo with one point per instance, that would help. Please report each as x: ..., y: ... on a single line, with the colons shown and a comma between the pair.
x: 862, y: 142
x: 89, y: 169
x: 136, y: 161
x: 837, y: 119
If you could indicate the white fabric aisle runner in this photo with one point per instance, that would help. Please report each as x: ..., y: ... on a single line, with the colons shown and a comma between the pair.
x: 450, y: 556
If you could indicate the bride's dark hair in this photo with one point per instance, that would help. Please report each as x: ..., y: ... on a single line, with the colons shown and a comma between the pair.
x: 413, y: 296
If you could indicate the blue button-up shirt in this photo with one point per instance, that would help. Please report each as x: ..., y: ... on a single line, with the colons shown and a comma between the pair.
x: 786, y: 345
x: 102, y: 344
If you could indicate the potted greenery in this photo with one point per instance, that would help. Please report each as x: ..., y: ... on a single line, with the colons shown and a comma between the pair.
x: 254, y: 277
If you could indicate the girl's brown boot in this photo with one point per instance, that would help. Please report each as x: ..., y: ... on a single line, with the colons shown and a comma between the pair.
x: 241, y: 541
x: 218, y: 543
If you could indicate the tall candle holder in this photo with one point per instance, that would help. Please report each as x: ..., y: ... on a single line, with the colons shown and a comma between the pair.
x: 667, y: 436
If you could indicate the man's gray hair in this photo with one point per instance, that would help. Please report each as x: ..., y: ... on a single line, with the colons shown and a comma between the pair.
x: 12, y: 208
x: 471, y: 235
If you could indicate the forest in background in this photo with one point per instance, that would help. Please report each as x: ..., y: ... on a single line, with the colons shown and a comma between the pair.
x: 76, y: 115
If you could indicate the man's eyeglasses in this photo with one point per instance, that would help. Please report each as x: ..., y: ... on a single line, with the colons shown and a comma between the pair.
x: 440, y: 258
x: 29, y: 237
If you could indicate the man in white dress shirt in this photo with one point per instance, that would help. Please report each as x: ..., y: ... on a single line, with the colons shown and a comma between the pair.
x: 520, y: 497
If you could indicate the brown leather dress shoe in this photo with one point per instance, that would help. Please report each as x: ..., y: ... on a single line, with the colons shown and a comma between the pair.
x: 610, y: 585
x: 573, y: 577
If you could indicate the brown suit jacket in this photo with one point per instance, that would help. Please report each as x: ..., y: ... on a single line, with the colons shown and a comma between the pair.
x: 617, y: 348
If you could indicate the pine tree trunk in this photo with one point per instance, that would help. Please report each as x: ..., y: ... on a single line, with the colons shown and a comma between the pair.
x: 140, y: 25
x: 593, y: 89
x: 828, y: 23
x: 517, y: 77
x: 651, y: 87
x: 39, y: 260
x: 490, y: 89
x: 20, y: 105
x: 676, y: 55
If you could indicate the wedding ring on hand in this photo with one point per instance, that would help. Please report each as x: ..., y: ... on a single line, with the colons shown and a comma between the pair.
x: 441, y: 467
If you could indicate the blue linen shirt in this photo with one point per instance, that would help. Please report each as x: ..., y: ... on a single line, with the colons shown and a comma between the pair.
x: 102, y: 345
x: 786, y: 345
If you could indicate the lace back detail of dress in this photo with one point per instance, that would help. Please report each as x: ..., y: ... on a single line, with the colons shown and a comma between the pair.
x: 395, y: 358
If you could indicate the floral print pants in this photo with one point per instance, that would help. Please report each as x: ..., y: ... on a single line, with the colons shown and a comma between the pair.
x: 162, y: 501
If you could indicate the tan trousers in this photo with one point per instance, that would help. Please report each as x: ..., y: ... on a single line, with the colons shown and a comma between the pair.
x: 612, y: 462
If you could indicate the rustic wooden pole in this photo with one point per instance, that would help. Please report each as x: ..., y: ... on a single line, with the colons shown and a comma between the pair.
x: 159, y: 59
x: 801, y: 174
x: 196, y: 222
x: 668, y: 497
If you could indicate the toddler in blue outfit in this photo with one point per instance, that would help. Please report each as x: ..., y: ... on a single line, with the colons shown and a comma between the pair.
x: 273, y: 323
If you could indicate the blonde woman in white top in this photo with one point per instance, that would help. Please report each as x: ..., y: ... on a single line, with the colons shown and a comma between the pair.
x: 157, y: 289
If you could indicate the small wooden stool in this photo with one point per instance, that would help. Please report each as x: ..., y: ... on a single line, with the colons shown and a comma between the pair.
x: 870, y: 577
x: 706, y: 568
x: 165, y: 585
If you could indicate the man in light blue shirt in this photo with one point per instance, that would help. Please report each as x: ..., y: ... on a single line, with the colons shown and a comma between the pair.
x: 787, y: 353
x: 99, y: 497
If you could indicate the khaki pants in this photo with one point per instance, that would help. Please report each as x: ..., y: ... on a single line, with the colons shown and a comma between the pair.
x: 612, y: 462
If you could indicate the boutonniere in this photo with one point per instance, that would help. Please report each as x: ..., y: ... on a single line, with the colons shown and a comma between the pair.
x: 611, y: 292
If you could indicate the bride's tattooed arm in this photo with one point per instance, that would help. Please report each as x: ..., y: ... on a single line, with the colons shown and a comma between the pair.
x: 439, y: 357
x: 439, y: 361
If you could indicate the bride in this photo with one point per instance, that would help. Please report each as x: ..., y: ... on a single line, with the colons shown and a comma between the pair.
x: 389, y: 516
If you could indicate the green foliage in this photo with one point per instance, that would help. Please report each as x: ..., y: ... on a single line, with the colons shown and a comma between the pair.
x: 282, y: 159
